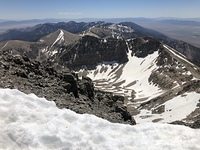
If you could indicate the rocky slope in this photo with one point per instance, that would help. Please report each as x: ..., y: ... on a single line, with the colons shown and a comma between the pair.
x: 61, y: 86
x: 191, y: 52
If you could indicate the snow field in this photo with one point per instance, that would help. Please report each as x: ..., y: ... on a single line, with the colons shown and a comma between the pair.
x: 60, y: 38
x: 29, y: 122
x: 136, y: 69
x: 5, y: 45
x: 183, y: 103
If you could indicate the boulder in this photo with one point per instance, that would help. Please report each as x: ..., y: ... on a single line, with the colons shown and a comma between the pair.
x: 86, y: 87
x: 70, y: 78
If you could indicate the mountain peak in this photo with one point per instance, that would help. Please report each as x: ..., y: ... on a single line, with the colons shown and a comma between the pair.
x: 60, y: 36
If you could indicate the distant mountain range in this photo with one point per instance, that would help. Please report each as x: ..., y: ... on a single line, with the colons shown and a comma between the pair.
x: 100, y: 29
x: 185, y: 29
x: 36, y: 32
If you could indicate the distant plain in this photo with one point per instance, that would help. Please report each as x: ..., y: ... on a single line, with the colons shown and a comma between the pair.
x: 186, y: 33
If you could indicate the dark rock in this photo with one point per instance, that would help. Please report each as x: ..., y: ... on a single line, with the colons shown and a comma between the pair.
x: 123, y: 111
x: 21, y: 74
x: 66, y: 85
x: 159, y: 110
x: 18, y: 60
x: 86, y: 87
x: 194, y: 125
x: 116, y: 98
x: 69, y: 78
x: 50, y: 70
x: 161, y: 80
x: 141, y: 47
x: 179, y: 123
x: 191, y: 86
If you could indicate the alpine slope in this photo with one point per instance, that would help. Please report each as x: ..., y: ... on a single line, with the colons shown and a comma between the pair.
x: 159, y: 86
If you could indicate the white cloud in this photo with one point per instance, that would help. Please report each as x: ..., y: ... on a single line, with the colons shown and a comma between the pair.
x: 69, y: 13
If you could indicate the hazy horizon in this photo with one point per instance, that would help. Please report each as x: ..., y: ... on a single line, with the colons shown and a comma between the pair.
x: 77, y: 9
x: 100, y: 19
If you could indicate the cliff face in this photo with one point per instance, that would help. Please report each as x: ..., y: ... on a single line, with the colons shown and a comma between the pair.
x: 89, y: 51
x: 142, y: 47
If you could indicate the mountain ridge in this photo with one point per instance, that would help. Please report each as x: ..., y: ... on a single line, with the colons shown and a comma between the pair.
x: 33, y: 34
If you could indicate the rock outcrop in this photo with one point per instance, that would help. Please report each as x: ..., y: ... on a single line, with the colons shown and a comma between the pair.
x: 141, y: 47
x: 194, y: 125
x: 89, y: 51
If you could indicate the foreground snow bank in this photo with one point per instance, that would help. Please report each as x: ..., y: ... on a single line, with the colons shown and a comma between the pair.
x: 29, y: 122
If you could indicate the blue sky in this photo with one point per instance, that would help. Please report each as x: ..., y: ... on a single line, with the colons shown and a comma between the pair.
x: 73, y: 9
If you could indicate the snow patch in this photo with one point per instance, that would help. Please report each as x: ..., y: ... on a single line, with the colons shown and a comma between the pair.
x: 117, y: 29
x: 179, y: 55
x: 127, y: 77
x: 183, y: 103
x: 121, y: 28
x: 59, y: 39
x: 5, y: 45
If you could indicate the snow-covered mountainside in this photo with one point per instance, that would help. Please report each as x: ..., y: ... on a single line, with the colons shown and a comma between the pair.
x: 29, y: 122
x: 53, y: 43
x: 44, y: 48
x: 117, y: 31
x: 152, y: 81
x: 122, y: 78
